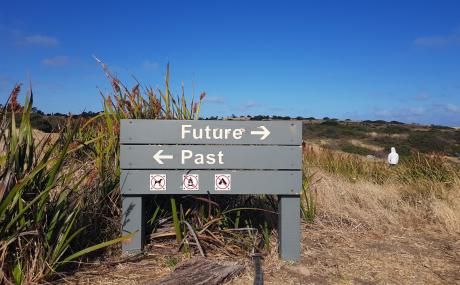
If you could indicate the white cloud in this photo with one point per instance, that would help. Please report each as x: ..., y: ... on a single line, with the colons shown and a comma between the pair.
x: 438, y: 41
x: 12, y: 35
x: 417, y: 111
x: 41, y: 40
x: 58, y: 60
x: 401, y: 112
x: 451, y: 108
x: 438, y: 113
x: 214, y: 100
x: 249, y: 105
x: 383, y: 113
x: 422, y: 96
x: 278, y: 109
x: 149, y: 65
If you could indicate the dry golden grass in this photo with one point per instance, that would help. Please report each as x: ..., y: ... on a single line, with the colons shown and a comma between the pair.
x: 364, y: 233
x: 388, y: 206
x: 371, y: 147
x: 369, y: 229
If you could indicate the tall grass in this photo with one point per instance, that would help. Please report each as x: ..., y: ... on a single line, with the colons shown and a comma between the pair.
x: 415, y: 168
x: 39, y: 200
x: 308, y: 196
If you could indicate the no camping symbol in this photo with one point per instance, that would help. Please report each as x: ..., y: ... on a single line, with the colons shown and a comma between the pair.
x: 190, y: 182
x: 157, y: 182
x: 223, y: 182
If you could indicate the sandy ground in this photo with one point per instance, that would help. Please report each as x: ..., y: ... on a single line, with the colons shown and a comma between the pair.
x: 330, y: 255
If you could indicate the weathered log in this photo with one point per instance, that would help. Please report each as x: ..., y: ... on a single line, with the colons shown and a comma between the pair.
x: 200, y: 271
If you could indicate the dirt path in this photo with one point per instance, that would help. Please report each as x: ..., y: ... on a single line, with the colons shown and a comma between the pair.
x: 329, y: 256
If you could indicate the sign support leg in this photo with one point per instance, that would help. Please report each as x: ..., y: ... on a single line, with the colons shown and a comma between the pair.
x: 133, y: 220
x: 289, y: 227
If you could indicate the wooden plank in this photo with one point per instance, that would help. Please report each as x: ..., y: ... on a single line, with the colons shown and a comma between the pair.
x: 139, y: 182
x: 209, y: 157
x: 211, y: 132
x: 200, y: 271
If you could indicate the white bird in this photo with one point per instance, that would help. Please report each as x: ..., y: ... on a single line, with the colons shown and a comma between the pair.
x: 393, y: 157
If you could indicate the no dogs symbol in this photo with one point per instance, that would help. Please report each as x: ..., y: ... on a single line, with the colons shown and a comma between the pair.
x: 223, y: 182
x: 157, y: 182
x: 190, y: 182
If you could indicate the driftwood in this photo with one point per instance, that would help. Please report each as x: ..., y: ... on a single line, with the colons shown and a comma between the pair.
x: 200, y: 271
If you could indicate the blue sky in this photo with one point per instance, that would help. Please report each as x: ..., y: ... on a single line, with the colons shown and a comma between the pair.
x: 391, y: 60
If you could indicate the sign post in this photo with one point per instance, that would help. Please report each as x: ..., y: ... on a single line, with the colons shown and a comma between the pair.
x: 211, y: 157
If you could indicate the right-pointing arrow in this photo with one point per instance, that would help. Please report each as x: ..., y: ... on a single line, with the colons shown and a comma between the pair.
x: 158, y: 157
x: 264, y: 132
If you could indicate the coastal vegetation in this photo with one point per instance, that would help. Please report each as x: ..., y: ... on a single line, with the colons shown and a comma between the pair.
x: 60, y: 200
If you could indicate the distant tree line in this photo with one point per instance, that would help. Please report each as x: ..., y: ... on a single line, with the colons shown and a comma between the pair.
x: 45, y: 122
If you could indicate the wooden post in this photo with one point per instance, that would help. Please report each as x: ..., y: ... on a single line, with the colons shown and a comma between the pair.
x: 289, y: 227
x: 133, y: 221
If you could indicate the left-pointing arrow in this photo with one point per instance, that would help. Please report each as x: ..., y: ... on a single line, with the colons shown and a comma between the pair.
x: 158, y: 157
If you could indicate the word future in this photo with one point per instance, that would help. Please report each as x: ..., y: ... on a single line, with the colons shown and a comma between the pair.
x: 209, y: 133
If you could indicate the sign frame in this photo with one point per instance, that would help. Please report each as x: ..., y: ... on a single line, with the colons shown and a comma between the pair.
x: 259, y: 157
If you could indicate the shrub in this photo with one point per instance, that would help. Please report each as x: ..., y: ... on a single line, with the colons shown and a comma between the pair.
x: 439, y: 127
x: 350, y: 148
x: 330, y: 123
x: 394, y: 129
x: 40, y: 122
x: 39, y: 200
x: 387, y: 142
x: 427, y: 141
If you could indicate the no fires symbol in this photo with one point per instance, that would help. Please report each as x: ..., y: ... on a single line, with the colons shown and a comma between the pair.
x: 223, y: 182
x: 190, y: 182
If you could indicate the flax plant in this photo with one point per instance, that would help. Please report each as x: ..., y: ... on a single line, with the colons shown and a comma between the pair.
x: 39, y: 204
x: 133, y: 103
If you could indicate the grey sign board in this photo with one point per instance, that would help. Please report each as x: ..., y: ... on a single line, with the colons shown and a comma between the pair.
x: 206, y: 132
x: 142, y: 182
x: 212, y: 157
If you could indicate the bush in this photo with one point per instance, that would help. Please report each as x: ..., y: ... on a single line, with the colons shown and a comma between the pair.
x: 427, y: 141
x: 350, y: 148
x: 401, y: 145
x: 40, y: 204
x: 333, y: 130
x: 438, y: 127
x: 456, y: 150
x: 394, y: 129
x: 376, y: 122
x: 330, y: 123
x: 40, y: 122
